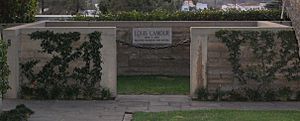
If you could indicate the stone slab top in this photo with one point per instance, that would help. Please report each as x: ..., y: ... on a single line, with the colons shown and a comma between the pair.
x: 143, y: 24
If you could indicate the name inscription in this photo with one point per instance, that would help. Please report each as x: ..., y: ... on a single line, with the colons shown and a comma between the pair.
x: 152, y: 36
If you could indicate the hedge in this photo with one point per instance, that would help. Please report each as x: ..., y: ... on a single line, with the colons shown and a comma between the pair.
x: 204, y: 15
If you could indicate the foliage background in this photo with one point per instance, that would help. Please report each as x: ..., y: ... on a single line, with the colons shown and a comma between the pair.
x: 17, y: 11
x: 204, y: 15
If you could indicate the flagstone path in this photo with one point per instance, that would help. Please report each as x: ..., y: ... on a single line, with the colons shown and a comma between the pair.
x: 114, y: 110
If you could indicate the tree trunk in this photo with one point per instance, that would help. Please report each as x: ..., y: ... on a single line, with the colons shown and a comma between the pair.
x: 77, y: 6
x: 42, y: 6
x: 293, y: 11
x: 0, y: 103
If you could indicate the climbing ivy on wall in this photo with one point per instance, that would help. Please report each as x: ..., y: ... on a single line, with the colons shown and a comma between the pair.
x: 290, y: 55
x: 57, y: 78
x: 4, y: 70
x: 272, y: 54
x: 91, y: 72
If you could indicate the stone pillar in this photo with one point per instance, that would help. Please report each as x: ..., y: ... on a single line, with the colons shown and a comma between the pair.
x: 11, y: 36
x: 109, y: 56
x: 0, y: 103
x: 198, y: 59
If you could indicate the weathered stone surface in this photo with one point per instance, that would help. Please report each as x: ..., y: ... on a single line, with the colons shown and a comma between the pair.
x: 139, y: 59
x: 215, y: 67
x: 23, y: 49
x: 203, y: 59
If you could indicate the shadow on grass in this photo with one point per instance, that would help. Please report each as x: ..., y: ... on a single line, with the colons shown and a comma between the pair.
x: 154, y: 85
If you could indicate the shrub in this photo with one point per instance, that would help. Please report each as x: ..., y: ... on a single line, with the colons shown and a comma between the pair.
x: 72, y: 92
x: 298, y: 96
x: 270, y: 95
x: 202, y: 94
x: 253, y: 94
x: 236, y: 95
x: 284, y: 93
x: 27, y: 92
x: 247, y: 94
x: 203, y: 15
x: 105, y: 94
x: 4, y: 70
x: 20, y: 113
x: 219, y: 94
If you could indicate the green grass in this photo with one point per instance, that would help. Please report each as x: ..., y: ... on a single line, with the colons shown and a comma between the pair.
x: 154, y: 85
x: 219, y: 115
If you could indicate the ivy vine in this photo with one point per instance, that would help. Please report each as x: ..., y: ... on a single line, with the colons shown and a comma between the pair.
x: 289, y: 55
x: 274, y: 52
x: 57, y: 79
x: 4, y: 69
x: 233, y: 42
x: 91, y: 72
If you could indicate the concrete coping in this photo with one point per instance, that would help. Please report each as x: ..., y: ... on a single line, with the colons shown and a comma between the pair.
x: 243, y: 28
x: 39, y: 23
x: 70, y: 27
x: 260, y: 25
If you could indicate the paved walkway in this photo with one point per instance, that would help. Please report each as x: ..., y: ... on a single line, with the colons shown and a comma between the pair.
x: 115, y: 110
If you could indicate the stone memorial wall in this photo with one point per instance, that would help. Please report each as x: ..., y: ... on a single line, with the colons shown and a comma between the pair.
x: 210, y: 67
x: 153, y: 59
x: 167, y: 48
x: 22, y: 49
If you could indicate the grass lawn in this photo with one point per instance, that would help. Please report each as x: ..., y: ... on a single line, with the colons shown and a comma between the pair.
x: 153, y: 85
x: 219, y: 115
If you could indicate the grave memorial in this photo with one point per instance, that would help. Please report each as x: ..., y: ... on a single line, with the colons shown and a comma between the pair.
x: 152, y: 36
x: 191, y: 48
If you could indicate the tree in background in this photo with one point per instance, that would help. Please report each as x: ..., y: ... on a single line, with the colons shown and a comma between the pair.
x: 175, y: 5
x: 17, y: 11
x: 42, y: 4
x: 104, y: 6
x: 74, y: 6
x: 138, y: 5
x: 275, y: 4
x: 63, y: 7
x: 293, y: 10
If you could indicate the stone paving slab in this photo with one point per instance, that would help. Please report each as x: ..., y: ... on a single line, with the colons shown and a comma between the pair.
x: 114, y: 110
x: 127, y: 117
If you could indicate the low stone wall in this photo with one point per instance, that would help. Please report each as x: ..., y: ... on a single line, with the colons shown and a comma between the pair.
x: 209, y: 58
x: 219, y: 70
x: 22, y: 48
x: 204, y: 58
x: 138, y: 61
x: 7, y: 25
